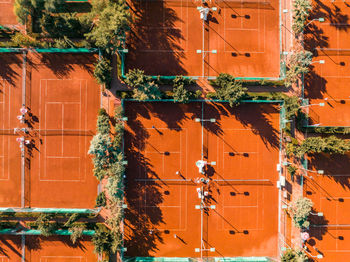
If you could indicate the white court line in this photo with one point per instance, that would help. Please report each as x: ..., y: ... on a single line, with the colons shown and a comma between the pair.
x: 258, y: 190
x: 258, y: 29
x: 182, y: 206
x: 51, y: 258
x: 81, y: 179
x: 5, y: 90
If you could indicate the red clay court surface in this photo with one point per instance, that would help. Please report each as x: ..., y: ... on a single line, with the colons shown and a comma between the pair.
x: 328, y: 82
x: 162, y: 219
x: 244, y: 33
x: 62, y: 98
x: 7, y: 16
x: 46, y: 249
x: 10, y: 156
x: 330, y: 193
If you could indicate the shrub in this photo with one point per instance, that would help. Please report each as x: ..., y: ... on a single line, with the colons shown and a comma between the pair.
x: 229, y: 89
x: 144, y: 88
x: 224, y: 80
x: 76, y: 232
x: 101, y: 200
x: 301, y: 11
x: 73, y: 218
x: 21, y: 40
x: 291, y: 170
x: 300, y: 211
x: 292, y: 255
x: 181, y: 94
x: 103, y: 241
x: 44, y: 224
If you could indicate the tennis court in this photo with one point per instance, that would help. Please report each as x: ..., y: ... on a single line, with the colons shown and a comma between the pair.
x: 238, y: 37
x: 7, y: 15
x: 330, y: 233
x: 48, y: 107
x: 10, y: 155
x: 327, y: 83
x: 174, y: 210
x: 62, y: 99
x: 45, y: 249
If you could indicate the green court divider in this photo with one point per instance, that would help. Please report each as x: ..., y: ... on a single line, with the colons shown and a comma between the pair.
x: 49, y: 50
x: 66, y: 50
x: 241, y: 259
x: 50, y: 210
x: 77, y: 1
x: 11, y: 50
x: 157, y: 259
x: 32, y: 232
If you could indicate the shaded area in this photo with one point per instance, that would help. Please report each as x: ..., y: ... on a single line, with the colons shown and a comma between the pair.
x: 253, y: 116
x: 10, y: 69
x: 140, y: 224
x: 63, y: 64
x: 154, y: 41
x: 335, y: 166
x: 10, y: 247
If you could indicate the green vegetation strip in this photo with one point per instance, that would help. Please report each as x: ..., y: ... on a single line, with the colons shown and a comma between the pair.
x: 33, y: 232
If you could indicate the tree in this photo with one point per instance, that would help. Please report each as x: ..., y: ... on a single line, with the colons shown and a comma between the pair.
x: 301, y: 11
x: 144, y: 88
x: 23, y: 9
x: 300, y: 211
x: 103, y: 125
x: 291, y: 105
x: 181, y: 94
x: 299, y: 63
x: 101, y: 148
x: 112, y: 19
x: 103, y: 71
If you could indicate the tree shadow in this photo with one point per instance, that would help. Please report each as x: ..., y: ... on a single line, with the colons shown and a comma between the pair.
x: 38, y: 242
x: 12, y: 243
x: 253, y: 116
x: 143, y: 215
x: 331, y: 13
x: 155, y: 37
x: 335, y: 167
x: 11, y: 68
x: 63, y: 65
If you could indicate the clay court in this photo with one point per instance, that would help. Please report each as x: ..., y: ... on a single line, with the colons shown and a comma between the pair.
x: 46, y: 249
x: 327, y: 83
x: 7, y: 16
x: 61, y: 98
x: 239, y: 37
x: 330, y: 234
x: 163, y: 142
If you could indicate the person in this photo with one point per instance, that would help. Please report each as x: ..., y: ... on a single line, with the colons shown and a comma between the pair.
x: 204, y: 11
x: 201, y: 164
